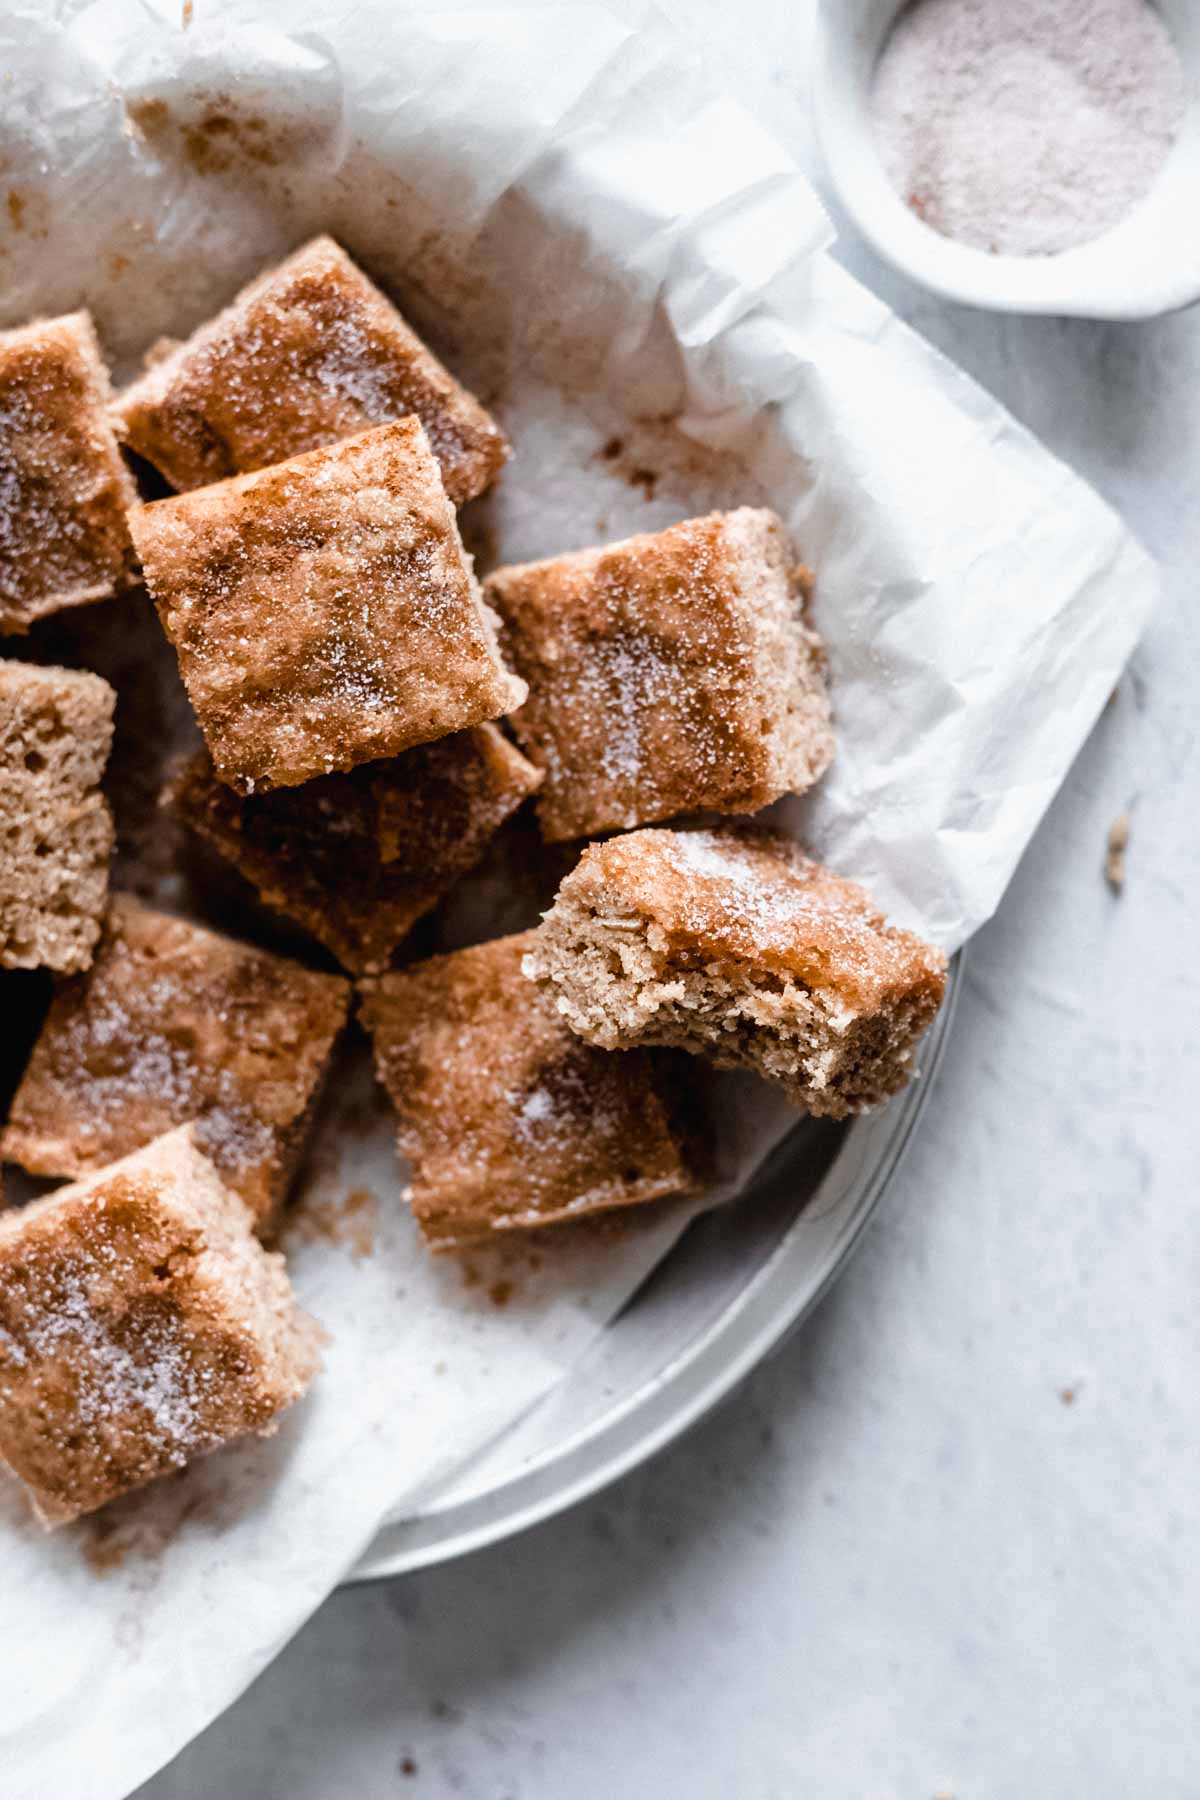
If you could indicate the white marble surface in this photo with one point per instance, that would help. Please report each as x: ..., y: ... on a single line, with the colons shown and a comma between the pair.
x: 946, y: 1543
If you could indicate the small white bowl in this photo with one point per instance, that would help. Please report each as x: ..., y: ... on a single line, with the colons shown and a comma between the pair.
x: 1147, y: 264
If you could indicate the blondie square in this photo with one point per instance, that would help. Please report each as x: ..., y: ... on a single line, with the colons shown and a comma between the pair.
x: 141, y: 1325
x: 668, y: 674
x: 171, y: 1025
x: 323, y: 610
x: 56, y: 832
x: 509, y: 1120
x: 64, y: 487
x: 310, y: 352
x: 733, y: 945
x: 357, y: 859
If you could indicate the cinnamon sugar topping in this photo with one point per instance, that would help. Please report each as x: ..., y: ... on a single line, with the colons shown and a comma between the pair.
x: 669, y: 673
x: 141, y: 1325
x: 358, y: 858
x: 309, y: 353
x: 64, y: 488
x: 323, y: 610
x: 510, y: 1121
x: 172, y: 1024
x: 731, y: 944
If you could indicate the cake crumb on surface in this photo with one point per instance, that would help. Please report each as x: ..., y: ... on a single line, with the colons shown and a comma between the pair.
x: 347, y: 1221
x: 1114, y: 854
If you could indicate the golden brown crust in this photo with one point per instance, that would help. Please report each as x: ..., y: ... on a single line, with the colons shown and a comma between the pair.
x: 140, y: 1326
x: 309, y: 353
x: 64, y: 488
x: 509, y: 1121
x: 357, y: 859
x: 670, y: 673
x: 172, y: 1024
x: 732, y: 945
x: 749, y: 894
x: 323, y: 610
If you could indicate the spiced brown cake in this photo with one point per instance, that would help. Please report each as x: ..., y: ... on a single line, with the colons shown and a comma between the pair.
x: 56, y: 832
x: 732, y: 944
x: 64, y: 487
x: 172, y: 1024
x: 141, y: 1325
x: 309, y: 353
x: 357, y: 859
x: 323, y: 610
x: 668, y: 674
x: 509, y: 1120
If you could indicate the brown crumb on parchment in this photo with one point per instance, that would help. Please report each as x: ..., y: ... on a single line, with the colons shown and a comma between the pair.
x: 638, y: 475
x: 147, y: 117
x: 142, y: 1526
x: 347, y: 1221
x: 1070, y: 1394
x: 104, y: 1549
x: 804, y: 584
x: 28, y: 211
x: 219, y: 137
x: 1114, y: 856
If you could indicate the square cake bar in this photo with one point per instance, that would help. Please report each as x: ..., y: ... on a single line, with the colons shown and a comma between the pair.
x: 357, y: 859
x: 173, y: 1024
x: 323, y: 610
x: 732, y: 944
x: 672, y: 673
x: 310, y: 352
x: 56, y: 832
x: 509, y: 1120
x: 64, y: 487
x: 141, y: 1325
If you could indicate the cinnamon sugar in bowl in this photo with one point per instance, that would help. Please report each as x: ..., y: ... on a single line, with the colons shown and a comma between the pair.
x: 1145, y: 263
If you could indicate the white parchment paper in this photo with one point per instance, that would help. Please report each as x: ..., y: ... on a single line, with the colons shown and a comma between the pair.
x: 635, y: 277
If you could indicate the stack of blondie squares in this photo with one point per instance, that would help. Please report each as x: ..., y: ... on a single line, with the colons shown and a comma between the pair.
x: 373, y: 720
